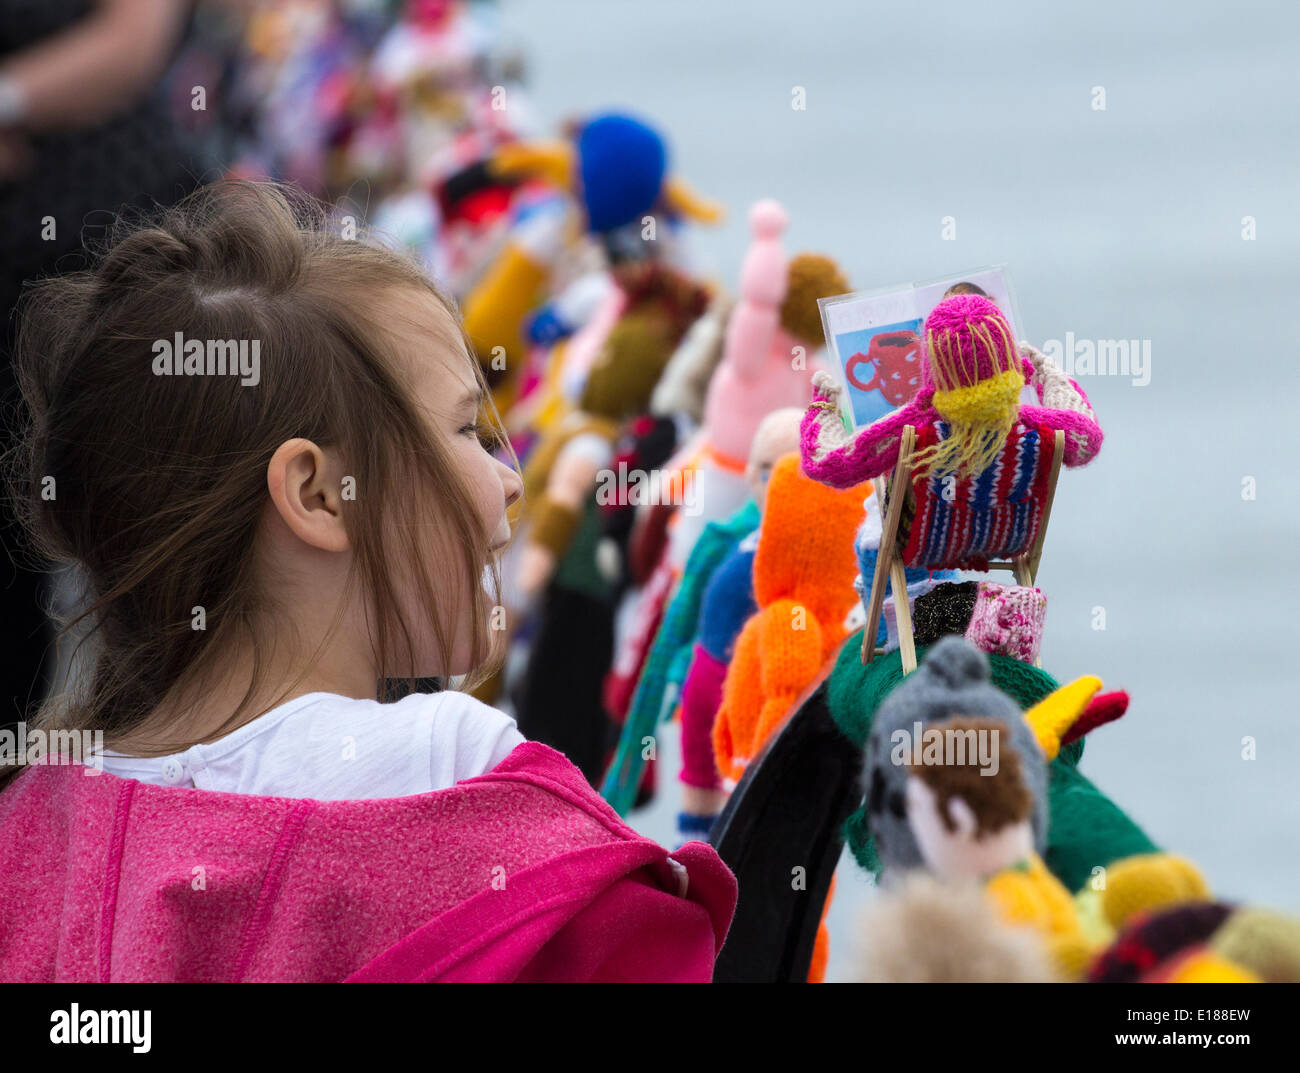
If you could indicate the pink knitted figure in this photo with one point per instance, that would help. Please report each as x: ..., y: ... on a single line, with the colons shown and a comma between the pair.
x: 1008, y: 620
x: 772, y: 337
x: 756, y: 375
x: 841, y: 459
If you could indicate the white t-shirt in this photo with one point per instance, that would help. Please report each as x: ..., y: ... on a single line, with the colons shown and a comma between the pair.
x: 334, y: 748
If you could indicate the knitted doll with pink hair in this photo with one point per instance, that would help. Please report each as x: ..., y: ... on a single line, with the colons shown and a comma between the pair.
x: 971, y: 375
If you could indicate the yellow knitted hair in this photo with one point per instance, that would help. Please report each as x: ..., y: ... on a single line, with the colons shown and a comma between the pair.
x: 978, y: 395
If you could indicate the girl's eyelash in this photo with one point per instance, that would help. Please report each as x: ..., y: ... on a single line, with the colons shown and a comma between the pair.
x: 487, y: 435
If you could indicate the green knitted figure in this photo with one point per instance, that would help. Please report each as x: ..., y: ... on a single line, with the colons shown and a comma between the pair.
x: 1086, y: 830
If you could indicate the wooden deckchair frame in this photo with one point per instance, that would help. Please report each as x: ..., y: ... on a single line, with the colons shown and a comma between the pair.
x: 889, y: 563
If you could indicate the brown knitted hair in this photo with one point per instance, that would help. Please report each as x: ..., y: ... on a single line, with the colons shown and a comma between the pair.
x: 996, y: 800
x: 810, y: 276
x: 631, y: 361
x: 661, y: 305
x: 965, y: 288
x: 654, y: 287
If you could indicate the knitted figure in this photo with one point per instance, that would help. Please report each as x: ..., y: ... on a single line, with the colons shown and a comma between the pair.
x: 728, y: 604
x: 563, y: 469
x: 721, y: 617
x: 684, y: 385
x: 1082, y: 826
x: 957, y: 781
x: 1086, y: 831
x: 1202, y: 941
x: 919, y: 580
x: 1008, y: 619
x: 765, y: 365
x: 679, y: 395
x: 773, y: 331
x: 669, y: 659
x: 803, y: 585
x: 615, y: 173
x: 559, y: 701
x: 967, y: 404
x: 953, y: 681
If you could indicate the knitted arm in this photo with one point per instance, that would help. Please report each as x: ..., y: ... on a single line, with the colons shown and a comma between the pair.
x: 741, y: 700
x: 1064, y: 406
x: 557, y: 518
x: 840, y: 459
x: 791, y: 655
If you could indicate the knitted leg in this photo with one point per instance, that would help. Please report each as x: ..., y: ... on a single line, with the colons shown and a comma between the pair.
x: 701, y: 696
x: 559, y: 703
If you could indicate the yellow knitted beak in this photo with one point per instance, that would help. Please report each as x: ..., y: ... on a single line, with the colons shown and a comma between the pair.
x: 684, y: 201
x: 549, y: 160
x: 1210, y: 968
x: 1052, y: 716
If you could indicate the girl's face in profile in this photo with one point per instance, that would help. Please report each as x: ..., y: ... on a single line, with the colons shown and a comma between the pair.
x: 449, y: 395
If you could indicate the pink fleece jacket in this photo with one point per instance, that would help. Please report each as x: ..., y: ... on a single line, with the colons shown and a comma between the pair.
x: 523, y: 873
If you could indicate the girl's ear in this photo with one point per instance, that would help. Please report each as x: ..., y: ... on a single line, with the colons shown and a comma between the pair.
x: 307, y: 486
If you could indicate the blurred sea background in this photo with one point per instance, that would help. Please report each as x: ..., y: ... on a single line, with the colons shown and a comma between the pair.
x: 1122, y: 223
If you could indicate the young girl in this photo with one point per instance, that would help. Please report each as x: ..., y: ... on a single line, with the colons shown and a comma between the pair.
x: 263, y: 445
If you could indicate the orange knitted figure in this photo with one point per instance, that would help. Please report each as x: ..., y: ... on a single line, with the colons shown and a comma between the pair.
x: 803, y: 585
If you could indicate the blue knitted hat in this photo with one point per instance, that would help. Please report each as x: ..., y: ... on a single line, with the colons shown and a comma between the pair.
x: 622, y: 163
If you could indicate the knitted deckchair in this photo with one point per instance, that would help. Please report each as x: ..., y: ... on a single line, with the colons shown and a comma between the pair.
x: 994, y: 520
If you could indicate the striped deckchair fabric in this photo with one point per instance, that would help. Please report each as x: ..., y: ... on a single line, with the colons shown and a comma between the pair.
x: 964, y: 523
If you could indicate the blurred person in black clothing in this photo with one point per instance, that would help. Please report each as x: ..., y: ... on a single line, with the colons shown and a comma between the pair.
x: 85, y: 130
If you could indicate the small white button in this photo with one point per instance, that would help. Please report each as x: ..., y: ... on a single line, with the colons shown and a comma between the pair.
x: 173, y: 771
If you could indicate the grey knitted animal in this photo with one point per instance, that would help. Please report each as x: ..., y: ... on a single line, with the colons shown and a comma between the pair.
x: 954, y: 681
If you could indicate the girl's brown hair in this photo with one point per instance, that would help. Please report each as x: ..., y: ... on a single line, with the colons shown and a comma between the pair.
x: 154, y: 485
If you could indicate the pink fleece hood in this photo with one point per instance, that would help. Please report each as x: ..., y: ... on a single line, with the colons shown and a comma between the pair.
x: 523, y: 873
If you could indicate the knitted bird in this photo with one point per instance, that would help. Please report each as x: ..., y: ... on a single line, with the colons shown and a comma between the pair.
x: 953, y: 681
x: 957, y: 783
x: 968, y: 401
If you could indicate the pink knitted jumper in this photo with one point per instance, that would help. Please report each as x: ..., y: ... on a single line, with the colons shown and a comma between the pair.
x: 840, y: 459
x: 520, y: 874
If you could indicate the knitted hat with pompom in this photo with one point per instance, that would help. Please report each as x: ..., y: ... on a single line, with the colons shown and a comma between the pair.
x: 976, y: 373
